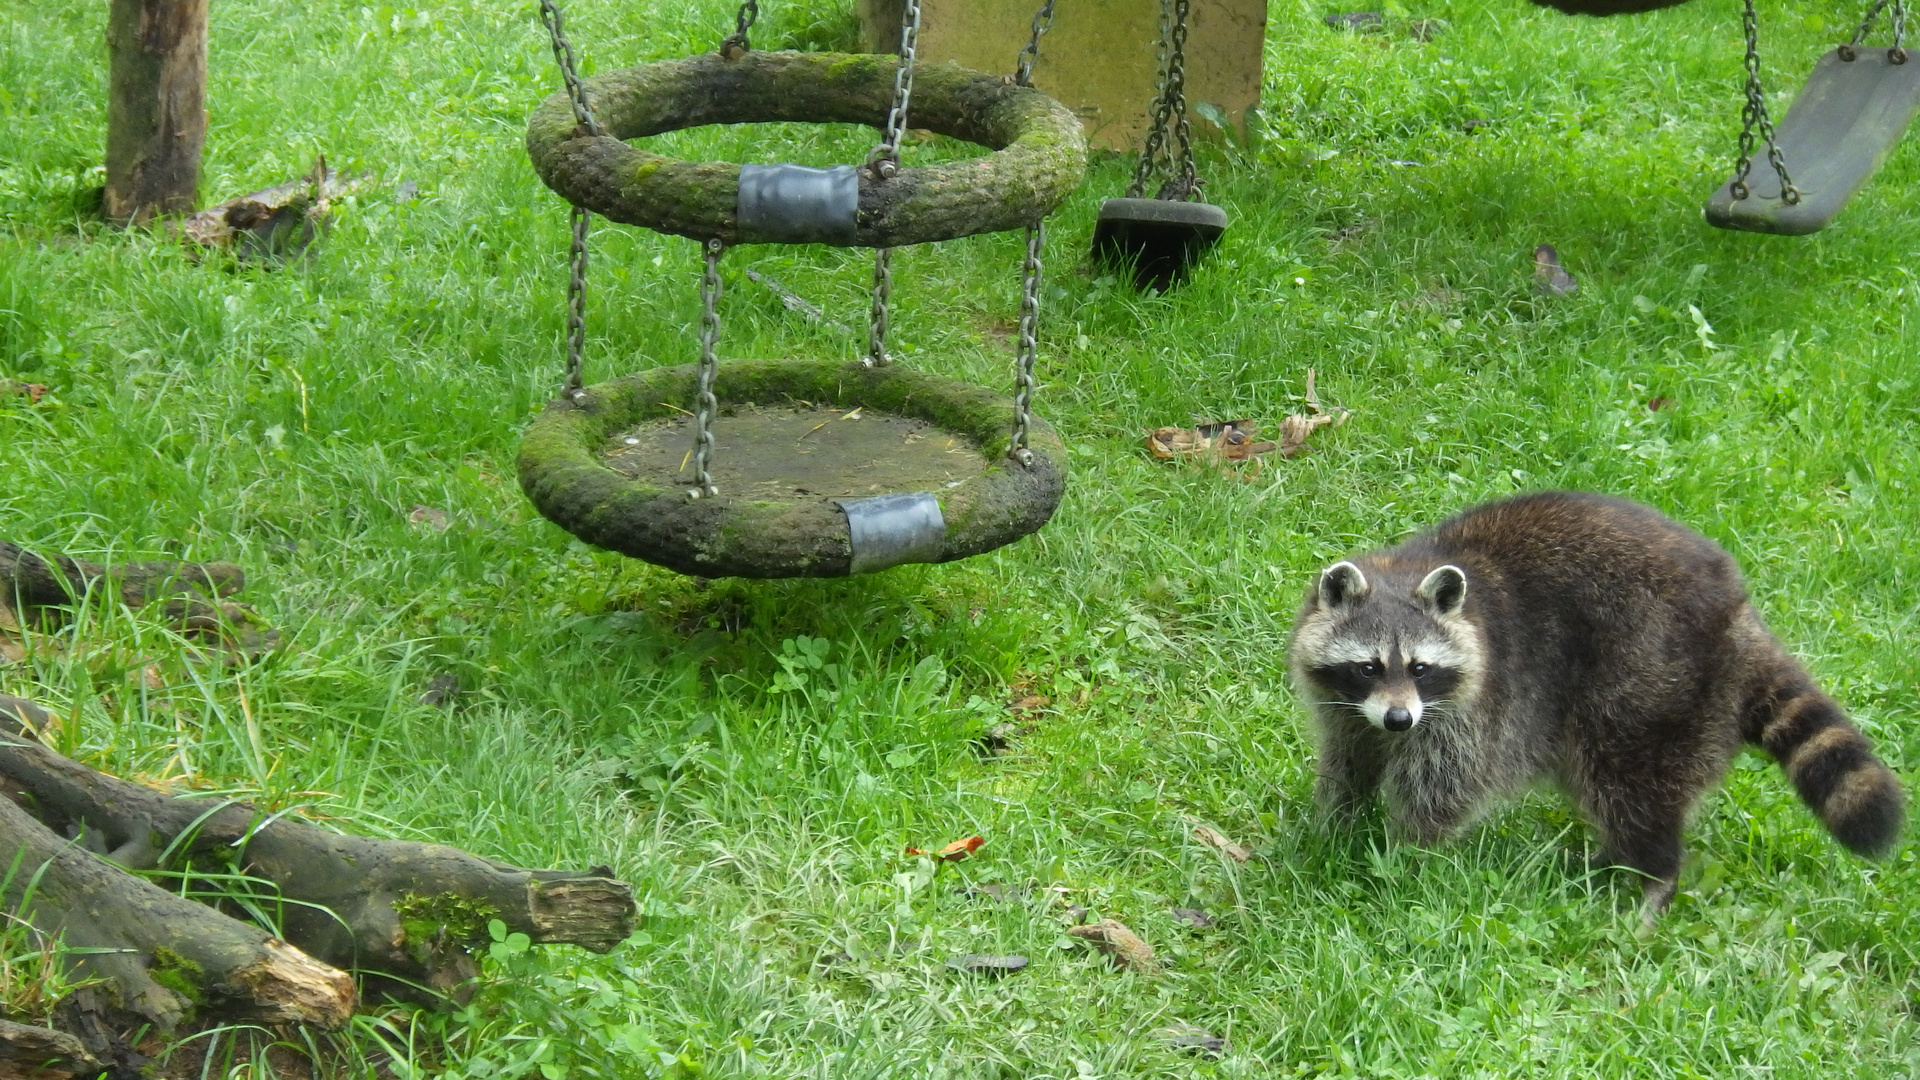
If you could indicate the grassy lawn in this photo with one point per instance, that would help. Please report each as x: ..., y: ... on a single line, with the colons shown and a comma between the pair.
x: 754, y: 757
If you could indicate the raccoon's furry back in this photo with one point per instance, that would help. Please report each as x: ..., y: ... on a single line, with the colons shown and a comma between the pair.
x: 1596, y: 643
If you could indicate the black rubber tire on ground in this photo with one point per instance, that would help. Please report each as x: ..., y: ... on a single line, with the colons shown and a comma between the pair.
x: 562, y: 471
x: 1038, y: 160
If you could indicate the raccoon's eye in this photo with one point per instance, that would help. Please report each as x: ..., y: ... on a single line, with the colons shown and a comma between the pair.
x: 1371, y: 669
x: 1419, y: 668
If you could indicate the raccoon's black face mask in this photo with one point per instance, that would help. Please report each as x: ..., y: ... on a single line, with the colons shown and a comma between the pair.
x: 1393, y: 658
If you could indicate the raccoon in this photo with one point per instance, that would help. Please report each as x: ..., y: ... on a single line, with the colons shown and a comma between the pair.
x: 1575, y: 638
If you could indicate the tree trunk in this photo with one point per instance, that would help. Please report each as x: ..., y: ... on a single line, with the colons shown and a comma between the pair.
x: 156, y: 107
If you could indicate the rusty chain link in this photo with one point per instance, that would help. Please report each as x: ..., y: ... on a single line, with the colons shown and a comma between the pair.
x: 1754, y: 118
x: 580, y: 218
x: 1897, y: 54
x: 1030, y: 53
x: 735, y: 45
x: 1169, y: 147
x: 877, y: 313
x: 1029, y: 348
x: 555, y: 19
x: 884, y: 164
x: 704, y: 403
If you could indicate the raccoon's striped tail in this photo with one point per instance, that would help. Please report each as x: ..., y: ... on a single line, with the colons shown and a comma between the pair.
x: 1829, y: 761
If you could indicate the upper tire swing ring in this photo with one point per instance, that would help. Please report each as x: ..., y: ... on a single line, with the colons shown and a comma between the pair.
x: 1038, y: 160
x: 783, y: 482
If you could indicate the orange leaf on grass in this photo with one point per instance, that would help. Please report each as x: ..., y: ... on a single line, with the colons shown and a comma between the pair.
x: 955, y: 851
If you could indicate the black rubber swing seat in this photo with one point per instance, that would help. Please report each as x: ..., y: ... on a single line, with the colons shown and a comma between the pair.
x: 1039, y: 151
x: 1835, y: 136
x: 1158, y: 239
x: 823, y: 470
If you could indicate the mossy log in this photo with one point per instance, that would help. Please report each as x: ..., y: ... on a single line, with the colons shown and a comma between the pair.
x: 162, y: 958
x: 29, y: 581
x: 401, y: 909
x: 1039, y: 158
x: 1607, y: 7
x: 37, y: 1053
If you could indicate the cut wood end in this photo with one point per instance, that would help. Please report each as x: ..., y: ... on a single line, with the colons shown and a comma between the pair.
x: 594, y: 913
x: 292, y: 987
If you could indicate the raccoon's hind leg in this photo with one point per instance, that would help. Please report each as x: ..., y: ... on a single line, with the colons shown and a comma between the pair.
x: 1644, y: 838
x: 1347, y: 771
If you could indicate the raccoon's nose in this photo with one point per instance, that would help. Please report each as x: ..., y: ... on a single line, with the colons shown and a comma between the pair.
x: 1397, y: 719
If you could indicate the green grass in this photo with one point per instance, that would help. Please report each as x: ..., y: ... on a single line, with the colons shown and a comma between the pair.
x: 291, y: 419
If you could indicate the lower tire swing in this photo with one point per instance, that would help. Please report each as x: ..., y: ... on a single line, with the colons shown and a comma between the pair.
x: 759, y: 468
x: 1160, y: 239
x: 1848, y: 117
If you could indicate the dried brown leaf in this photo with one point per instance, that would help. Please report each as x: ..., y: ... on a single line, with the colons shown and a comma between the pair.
x: 1113, y: 938
x: 1218, y: 841
x: 430, y: 517
x: 33, y: 392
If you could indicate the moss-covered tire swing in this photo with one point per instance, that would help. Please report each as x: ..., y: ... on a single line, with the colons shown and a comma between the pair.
x: 579, y: 469
x: 799, y: 468
x: 1038, y: 160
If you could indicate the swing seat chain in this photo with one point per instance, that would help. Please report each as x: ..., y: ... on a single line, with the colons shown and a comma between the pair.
x: 1898, y: 53
x: 1755, y: 121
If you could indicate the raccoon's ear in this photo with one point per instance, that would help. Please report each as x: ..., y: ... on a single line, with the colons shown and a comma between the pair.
x: 1443, y: 591
x: 1342, y: 584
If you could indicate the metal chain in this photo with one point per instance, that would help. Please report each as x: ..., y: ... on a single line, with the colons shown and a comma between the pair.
x: 1754, y: 118
x: 1183, y: 185
x: 877, y: 314
x: 581, y: 218
x: 1155, y: 149
x: 1866, y: 27
x: 884, y: 163
x: 885, y: 159
x: 1898, y: 53
x: 563, y: 52
x: 1029, y: 348
x: 704, y: 403
x: 735, y: 45
x: 570, y: 387
x: 1169, y: 146
x: 1030, y: 54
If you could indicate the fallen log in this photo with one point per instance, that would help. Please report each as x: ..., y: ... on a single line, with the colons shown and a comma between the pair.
x: 37, y: 591
x: 162, y: 958
x: 409, y: 911
x: 30, y: 581
x: 37, y: 1053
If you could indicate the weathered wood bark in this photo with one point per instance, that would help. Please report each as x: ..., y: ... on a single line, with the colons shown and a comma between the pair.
x: 156, y: 106
x: 37, y: 1053
x: 36, y: 590
x: 398, y: 908
x: 28, y: 580
x: 165, y: 958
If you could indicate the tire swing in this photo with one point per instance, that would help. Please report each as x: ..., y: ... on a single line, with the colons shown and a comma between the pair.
x: 1848, y: 117
x: 798, y: 468
x: 1159, y: 239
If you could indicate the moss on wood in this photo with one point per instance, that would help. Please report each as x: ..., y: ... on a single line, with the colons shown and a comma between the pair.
x: 1039, y: 158
x: 562, y: 472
